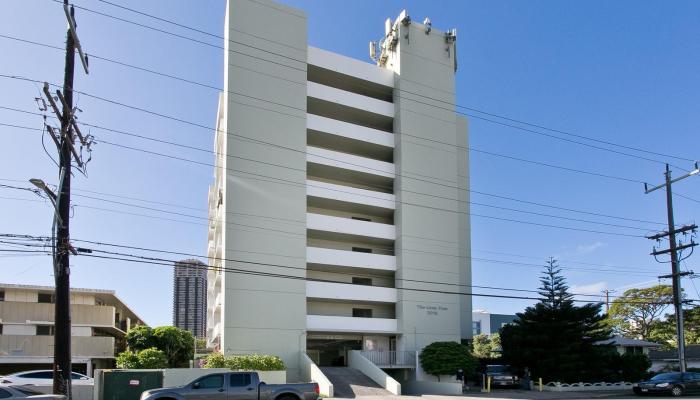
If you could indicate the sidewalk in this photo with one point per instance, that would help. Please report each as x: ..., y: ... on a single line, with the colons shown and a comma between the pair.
x: 515, y: 395
x: 537, y: 395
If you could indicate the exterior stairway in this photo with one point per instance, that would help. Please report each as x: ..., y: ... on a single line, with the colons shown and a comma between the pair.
x: 350, y: 383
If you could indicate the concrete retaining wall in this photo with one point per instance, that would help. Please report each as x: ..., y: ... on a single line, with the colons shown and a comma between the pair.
x: 310, y: 372
x: 360, y: 363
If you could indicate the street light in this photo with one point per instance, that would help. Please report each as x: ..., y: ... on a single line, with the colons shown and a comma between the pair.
x: 41, y: 185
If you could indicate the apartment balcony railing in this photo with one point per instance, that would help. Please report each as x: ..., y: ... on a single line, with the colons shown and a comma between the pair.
x: 328, y: 223
x: 42, y: 346
x: 391, y: 359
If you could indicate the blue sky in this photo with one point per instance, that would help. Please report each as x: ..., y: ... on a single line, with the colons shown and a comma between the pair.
x: 624, y: 72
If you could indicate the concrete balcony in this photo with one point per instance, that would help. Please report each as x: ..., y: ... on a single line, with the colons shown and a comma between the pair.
x: 324, y: 323
x: 343, y: 258
x: 347, y: 226
x: 350, y: 99
x: 42, y: 346
x: 349, y: 66
x: 336, y: 159
x: 347, y: 194
x: 346, y: 130
x: 38, y: 313
x: 349, y: 292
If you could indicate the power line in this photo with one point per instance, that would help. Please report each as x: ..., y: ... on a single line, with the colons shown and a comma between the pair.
x: 209, y: 128
x: 89, y: 252
x: 538, y: 126
x: 365, y: 195
x: 141, y: 248
x: 405, y: 134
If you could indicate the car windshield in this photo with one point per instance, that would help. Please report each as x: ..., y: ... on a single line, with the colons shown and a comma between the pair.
x: 498, y: 368
x: 666, y: 377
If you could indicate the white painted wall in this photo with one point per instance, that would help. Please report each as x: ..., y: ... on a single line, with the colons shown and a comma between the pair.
x: 342, y: 291
x: 18, y: 329
x: 317, y: 255
x: 350, y: 99
x: 322, y: 323
x: 360, y: 363
x: 350, y: 66
x: 349, y: 226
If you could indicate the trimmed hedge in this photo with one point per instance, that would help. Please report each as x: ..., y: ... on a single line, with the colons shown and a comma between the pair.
x: 252, y: 362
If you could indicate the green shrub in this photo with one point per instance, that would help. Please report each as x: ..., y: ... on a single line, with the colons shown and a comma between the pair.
x: 128, y: 360
x: 215, y: 360
x: 252, y: 362
x: 152, y: 359
x: 445, y: 358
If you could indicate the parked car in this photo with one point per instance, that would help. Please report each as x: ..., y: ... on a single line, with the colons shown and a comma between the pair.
x: 42, y: 377
x: 235, y: 385
x: 25, y: 392
x: 502, y: 375
x: 673, y: 383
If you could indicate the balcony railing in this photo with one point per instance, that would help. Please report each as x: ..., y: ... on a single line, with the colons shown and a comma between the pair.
x: 389, y: 359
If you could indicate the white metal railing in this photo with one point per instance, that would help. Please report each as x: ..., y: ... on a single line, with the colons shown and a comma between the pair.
x: 390, y: 358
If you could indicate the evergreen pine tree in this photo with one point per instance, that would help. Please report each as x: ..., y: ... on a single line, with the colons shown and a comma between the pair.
x: 554, y: 338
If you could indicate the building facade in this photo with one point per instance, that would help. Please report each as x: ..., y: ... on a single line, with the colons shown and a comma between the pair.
x: 486, y: 323
x: 100, y: 321
x: 339, y: 208
x: 190, y: 297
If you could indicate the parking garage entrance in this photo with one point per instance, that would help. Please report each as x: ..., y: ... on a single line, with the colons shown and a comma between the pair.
x: 331, y: 350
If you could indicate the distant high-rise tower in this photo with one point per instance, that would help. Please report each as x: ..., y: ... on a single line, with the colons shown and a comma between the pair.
x: 190, y: 296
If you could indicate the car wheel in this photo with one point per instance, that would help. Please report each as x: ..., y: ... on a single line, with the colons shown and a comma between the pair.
x: 677, y: 391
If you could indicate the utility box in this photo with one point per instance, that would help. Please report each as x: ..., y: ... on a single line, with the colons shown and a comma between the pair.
x: 126, y: 384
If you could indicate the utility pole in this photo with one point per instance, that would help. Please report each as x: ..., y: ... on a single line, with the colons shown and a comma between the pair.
x: 607, y: 299
x: 673, y: 249
x: 65, y: 142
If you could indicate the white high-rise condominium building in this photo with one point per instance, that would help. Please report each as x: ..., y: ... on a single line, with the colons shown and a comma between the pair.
x: 340, y: 195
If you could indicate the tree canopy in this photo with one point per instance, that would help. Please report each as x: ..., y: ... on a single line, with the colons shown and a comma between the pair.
x: 484, y: 346
x: 445, y: 358
x: 176, y: 344
x: 554, y: 338
x: 634, y: 313
x: 664, y: 331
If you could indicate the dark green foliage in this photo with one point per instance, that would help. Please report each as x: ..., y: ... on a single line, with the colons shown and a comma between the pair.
x: 445, y: 358
x: 634, y: 367
x: 177, y: 344
x: 152, y: 359
x: 555, y: 339
x: 144, y: 359
x: 252, y: 362
x: 140, y: 338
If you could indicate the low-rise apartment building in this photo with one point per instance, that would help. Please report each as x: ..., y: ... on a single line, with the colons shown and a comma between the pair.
x: 100, y: 321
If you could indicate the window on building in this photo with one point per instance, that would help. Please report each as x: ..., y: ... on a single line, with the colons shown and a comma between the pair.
x: 44, y: 330
x: 362, y: 312
x: 240, y: 380
x: 361, y: 281
x: 476, y: 328
x: 2, y: 295
x: 0, y: 329
x: 46, y: 298
x: 362, y: 219
x: 634, y: 350
x: 361, y: 250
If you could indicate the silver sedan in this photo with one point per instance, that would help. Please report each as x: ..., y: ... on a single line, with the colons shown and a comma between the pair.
x: 25, y: 392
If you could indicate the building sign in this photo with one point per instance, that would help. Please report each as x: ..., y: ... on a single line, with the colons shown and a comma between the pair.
x: 431, y: 310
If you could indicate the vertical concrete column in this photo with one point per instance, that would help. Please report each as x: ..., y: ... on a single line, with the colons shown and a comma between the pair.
x: 265, y: 176
x: 432, y: 214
